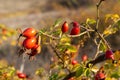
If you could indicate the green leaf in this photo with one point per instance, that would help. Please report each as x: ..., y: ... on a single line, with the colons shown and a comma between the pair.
x: 90, y: 21
x: 71, y: 48
x: 65, y: 39
x: 79, y: 71
x: 115, y: 75
x: 87, y: 72
x: 57, y: 32
x: 103, y: 47
x: 54, y: 77
x: 42, y: 31
x: 57, y: 22
x: 39, y: 71
x: 66, y: 46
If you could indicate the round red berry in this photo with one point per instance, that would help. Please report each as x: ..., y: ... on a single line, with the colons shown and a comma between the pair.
x: 72, y: 78
x: 99, y: 76
x: 109, y: 55
x: 74, y: 62
x: 65, y: 27
x: 35, y: 47
x: 21, y: 75
x: 29, y: 43
x: 84, y: 57
x: 29, y: 32
x: 76, y: 29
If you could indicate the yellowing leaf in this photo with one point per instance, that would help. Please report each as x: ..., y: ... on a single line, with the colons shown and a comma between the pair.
x: 103, y: 47
x: 110, y: 30
x: 117, y: 55
x: 90, y: 21
x: 64, y: 39
x: 114, y: 17
x: 57, y: 22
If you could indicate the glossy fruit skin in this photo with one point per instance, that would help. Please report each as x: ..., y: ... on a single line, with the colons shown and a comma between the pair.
x: 35, y: 47
x: 72, y: 78
x: 21, y: 75
x: 74, y: 62
x: 76, y: 29
x: 29, y: 32
x: 99, y: 76
x: 65, y: 27
x: 109, y: 54
x: 29, y: 43
x: 75, y: 24
x: 84, y: 57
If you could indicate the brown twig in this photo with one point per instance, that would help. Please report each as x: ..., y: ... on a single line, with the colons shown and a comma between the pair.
x: 98, y: 14
x: 50, y: 36
x: 97, y: 52
x: 106, y: 43
x: 57, y: 54
x: 80, y: 33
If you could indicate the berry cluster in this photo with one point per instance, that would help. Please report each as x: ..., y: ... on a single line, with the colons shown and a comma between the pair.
x: 74, y: 31
x: 31, y: 42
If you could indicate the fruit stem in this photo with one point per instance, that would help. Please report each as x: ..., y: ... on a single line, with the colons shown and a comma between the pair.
x: 97, y: 52
x: 49, y: 35
x: 109, y: 48
x: 22, y: 65
x: 80, y: 33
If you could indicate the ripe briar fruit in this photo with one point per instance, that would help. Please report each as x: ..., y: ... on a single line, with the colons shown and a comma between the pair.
x: 65, y: 27
x: 21, y: 75
x: 76, y: 29
x: 34, y: 50
x: 84, y: 57
x: 74, y: 62
x: 29, y: 32
x: 29, y: 43
x: 100, y: 76
x: 72, y: 78
x: 35, y: 47
x: 109, y: 55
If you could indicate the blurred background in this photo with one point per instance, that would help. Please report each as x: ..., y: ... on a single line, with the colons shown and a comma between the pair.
x: 43, y: 13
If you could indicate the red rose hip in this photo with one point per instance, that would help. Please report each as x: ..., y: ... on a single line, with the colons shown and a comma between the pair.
x: 74, y: 62
x: 84, y: 57
x: 29, y: 43
x: 65, y: 27
x: 76, y: 29
x: 29, y: 32
x: 21, y: 75
x: 99, y: 76
x: 109, y: 55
